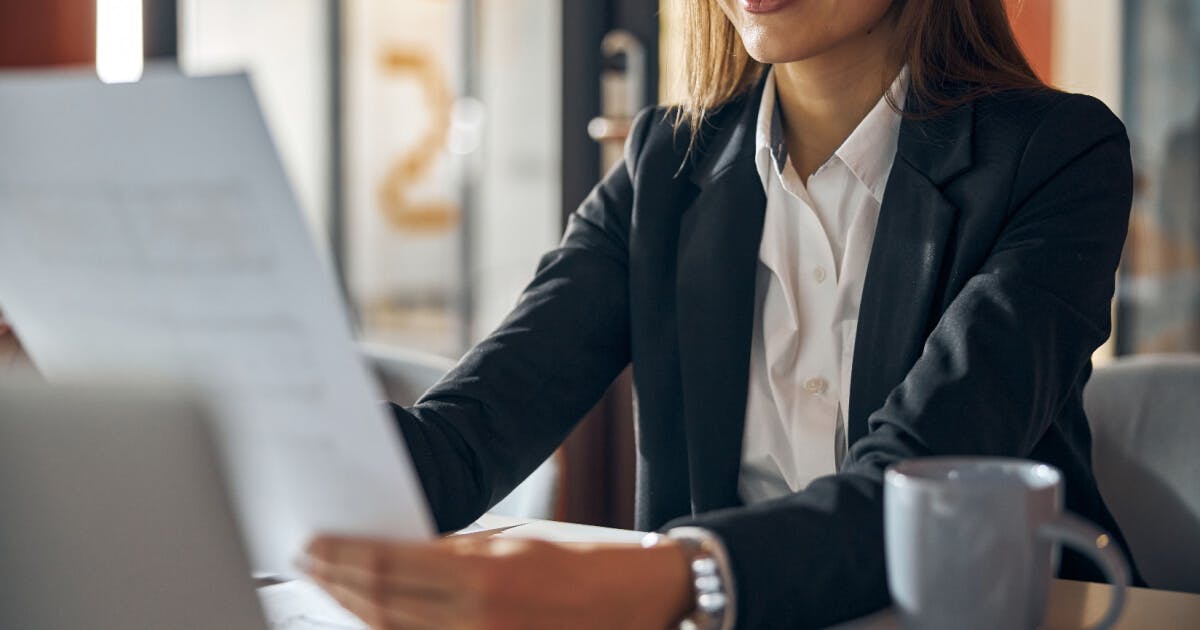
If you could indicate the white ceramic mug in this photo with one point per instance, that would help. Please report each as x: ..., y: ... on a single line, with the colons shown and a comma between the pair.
x: 972, y: 543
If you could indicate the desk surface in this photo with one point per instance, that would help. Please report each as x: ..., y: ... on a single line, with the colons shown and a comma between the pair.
x: 1073, y: 605
x: 1076, y: 605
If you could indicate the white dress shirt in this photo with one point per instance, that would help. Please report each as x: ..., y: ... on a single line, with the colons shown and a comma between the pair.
x: 812, y: 262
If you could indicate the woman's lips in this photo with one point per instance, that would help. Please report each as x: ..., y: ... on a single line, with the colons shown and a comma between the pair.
x: 764, y: 6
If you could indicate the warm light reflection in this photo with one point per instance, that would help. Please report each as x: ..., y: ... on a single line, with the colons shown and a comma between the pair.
x: 119, y: 57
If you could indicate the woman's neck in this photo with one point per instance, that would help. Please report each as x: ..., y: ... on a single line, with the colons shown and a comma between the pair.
x: 823, y: 98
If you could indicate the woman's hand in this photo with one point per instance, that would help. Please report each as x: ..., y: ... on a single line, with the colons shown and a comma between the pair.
x: 473, y: 582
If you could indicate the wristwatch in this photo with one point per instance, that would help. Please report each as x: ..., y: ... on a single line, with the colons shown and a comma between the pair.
x: 712, y: 579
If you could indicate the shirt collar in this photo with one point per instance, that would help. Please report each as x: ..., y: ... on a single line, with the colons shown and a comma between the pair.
x: 868, y: 152
x: 770, y: 150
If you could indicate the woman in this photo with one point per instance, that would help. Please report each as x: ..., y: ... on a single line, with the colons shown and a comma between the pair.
x: 810, y: 286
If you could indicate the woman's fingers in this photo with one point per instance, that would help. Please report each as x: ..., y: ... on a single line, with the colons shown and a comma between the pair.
x: 385, y: 611
x: 373, y: 580
x: 444, y: 584
x: 391, y: 585
x: 421, y: 567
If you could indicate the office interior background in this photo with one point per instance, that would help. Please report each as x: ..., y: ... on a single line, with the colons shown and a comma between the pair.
x: 437, y: 145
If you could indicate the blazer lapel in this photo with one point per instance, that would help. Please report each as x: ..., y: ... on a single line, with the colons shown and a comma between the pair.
x: 904, y: 271
x: 717, y: 261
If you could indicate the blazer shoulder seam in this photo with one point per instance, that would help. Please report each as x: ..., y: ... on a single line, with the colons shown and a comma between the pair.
x: 1046, y: 118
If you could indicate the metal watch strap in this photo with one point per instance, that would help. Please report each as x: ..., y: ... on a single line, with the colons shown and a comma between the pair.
x: 712, y: 580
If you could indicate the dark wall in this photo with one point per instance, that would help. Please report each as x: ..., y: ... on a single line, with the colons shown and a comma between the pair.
x: 599, y: 457
x: 584, y: 25
x: 160, y: 18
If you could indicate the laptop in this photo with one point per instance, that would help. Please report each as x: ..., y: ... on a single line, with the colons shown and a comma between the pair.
x: 113, y: 515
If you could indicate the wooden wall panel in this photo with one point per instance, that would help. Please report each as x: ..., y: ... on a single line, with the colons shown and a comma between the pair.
x: 47, y: 32
x: 1033, y: 23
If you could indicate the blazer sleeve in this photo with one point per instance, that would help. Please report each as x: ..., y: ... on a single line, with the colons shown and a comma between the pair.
x: 516, y: 396
x: 992, y: 376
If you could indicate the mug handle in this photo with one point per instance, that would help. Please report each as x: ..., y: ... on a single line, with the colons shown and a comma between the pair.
x: 1099, y: 548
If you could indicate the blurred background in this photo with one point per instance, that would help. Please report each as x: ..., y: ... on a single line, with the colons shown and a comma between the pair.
x: 436, y: 146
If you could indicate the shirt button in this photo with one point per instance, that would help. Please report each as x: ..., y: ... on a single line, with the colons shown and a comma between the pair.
x: 819, y: 274
x: 815, y: 385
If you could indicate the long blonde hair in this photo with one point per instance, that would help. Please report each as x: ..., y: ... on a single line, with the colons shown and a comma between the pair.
x: 956, y: 51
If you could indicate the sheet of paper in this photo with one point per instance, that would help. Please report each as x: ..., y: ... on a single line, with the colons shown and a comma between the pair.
x: 302, y: 605
x: 148, y: 231
x: 554, y: 531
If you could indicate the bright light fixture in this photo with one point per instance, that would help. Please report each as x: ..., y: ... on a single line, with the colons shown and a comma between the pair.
x: 119, y: 55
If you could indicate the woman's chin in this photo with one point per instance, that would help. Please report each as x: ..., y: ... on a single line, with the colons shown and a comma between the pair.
x: 771, y: 52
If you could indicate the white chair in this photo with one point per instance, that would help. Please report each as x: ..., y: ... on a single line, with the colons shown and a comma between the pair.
x: 1145, y: 418
x: 406, y: 374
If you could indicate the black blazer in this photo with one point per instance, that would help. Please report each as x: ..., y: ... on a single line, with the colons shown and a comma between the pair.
x: 988, y: 288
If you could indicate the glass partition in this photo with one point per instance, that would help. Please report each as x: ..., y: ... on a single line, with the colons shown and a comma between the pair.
x: 426, y: 132
x: 1159, y: 293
